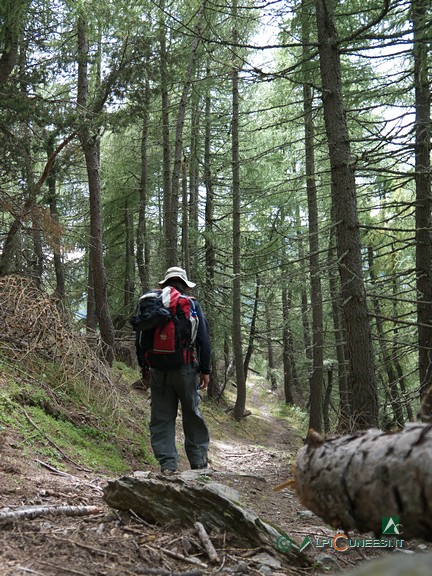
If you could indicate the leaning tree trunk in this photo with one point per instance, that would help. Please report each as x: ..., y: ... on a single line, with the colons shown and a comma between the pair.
x: 91, y: 147
x: 352, y: 482
x: 364, y: 399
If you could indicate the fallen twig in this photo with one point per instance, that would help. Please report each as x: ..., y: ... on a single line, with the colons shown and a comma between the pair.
x: 67, y: 475
x: 191, y: 560
x: 163, y: 572
x: 207, y: 543
x: 36, y: 511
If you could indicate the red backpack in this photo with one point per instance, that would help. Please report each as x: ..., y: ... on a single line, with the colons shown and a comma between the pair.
x: 167, y: 325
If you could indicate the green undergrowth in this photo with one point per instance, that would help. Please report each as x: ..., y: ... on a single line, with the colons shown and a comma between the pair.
x: 64, y: 420
x: 101, y: 424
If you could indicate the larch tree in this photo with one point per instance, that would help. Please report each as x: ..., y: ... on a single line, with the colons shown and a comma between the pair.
x: 421, y: 26
x: 90, y: 142
x: 363, y: 385
x: 240, y: 403
x: 316, y: 377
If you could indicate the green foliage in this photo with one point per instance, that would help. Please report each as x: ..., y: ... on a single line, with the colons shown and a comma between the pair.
x: 79, y: 422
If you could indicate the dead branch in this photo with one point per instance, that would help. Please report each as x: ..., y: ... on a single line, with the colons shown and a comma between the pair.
x: 207, y: 543
x: 177, y: 556
x: 37, y: 511
x: 67, y: 475
x: 33, y: 325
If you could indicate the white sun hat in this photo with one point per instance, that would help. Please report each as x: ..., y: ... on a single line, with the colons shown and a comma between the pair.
x: 177, y: 272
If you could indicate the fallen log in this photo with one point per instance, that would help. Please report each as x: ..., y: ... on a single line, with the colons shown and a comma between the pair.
x: 418, y: 564
x: 356, y: 481
x: 189, y: 498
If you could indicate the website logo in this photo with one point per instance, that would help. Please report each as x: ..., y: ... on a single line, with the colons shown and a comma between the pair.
x: 390, y: 525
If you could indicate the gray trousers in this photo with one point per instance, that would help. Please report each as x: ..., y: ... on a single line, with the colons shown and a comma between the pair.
x: 167, y: 389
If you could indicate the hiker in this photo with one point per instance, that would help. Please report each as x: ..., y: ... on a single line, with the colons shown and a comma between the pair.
x: 168, y: 386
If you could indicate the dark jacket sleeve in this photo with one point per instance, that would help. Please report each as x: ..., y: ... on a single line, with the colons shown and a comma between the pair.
x: 203, y: 342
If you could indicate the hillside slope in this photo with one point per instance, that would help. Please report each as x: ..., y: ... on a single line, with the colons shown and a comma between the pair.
x: 68, y: 425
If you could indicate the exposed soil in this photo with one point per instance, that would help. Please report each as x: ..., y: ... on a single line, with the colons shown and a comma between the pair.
x: 111, y: 543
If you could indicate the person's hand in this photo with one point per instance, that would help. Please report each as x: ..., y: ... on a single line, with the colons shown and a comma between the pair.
x: 203, y: 381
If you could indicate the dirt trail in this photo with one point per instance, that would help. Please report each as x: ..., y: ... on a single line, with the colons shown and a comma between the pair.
x: 115, y: 544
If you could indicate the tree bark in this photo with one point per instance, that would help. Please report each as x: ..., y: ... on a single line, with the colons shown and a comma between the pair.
x: 60, y: 289
x: 172, y: 225
x: 364, y: 397
x: 214, y: 389
x: 352, y: 482
x: 338, y: 328
x: 91, y: 147
x: 290, y: 372
x: 185, y: 236
x: 143, y: 249
x: 421, y: 27
x: 391, y: 384
x: 240, y: 404
x: 252, y: 331
x: 316, y: 376
x: 271, y: 372
x: 12, y: 15
x: 166, y: 149
x: 129, y: 274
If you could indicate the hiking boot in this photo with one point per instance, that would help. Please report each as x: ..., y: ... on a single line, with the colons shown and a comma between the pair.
x: 167, y: 472
x: 200, y: 466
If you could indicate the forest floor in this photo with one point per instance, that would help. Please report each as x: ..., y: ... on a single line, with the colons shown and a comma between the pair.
x: 255, y: 456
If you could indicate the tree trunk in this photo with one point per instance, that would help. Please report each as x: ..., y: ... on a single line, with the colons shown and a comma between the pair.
x: 290, y: 373
x: 421, y: 27
x: 396, y: 349
x: 353, y: 482
x: 316, y: 376
x: 194, y: 182
x: 166, y: 150
x: 129, y: 275
x: 304, y: 294
x: 240, y: 404
x: 344, y: 395
x: 60, y: 289
x: 391, y: 384
x: 178, y: 147
x: 364, y: 399
x: 143, y: 249
x: 215, y: 388
x: 91, y: 147
x: 271, y: 372
x: 12, y: 16
x: 91, y: 320
x: 185, y: 220
x: 252, y: 331
x: 327, y: 399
